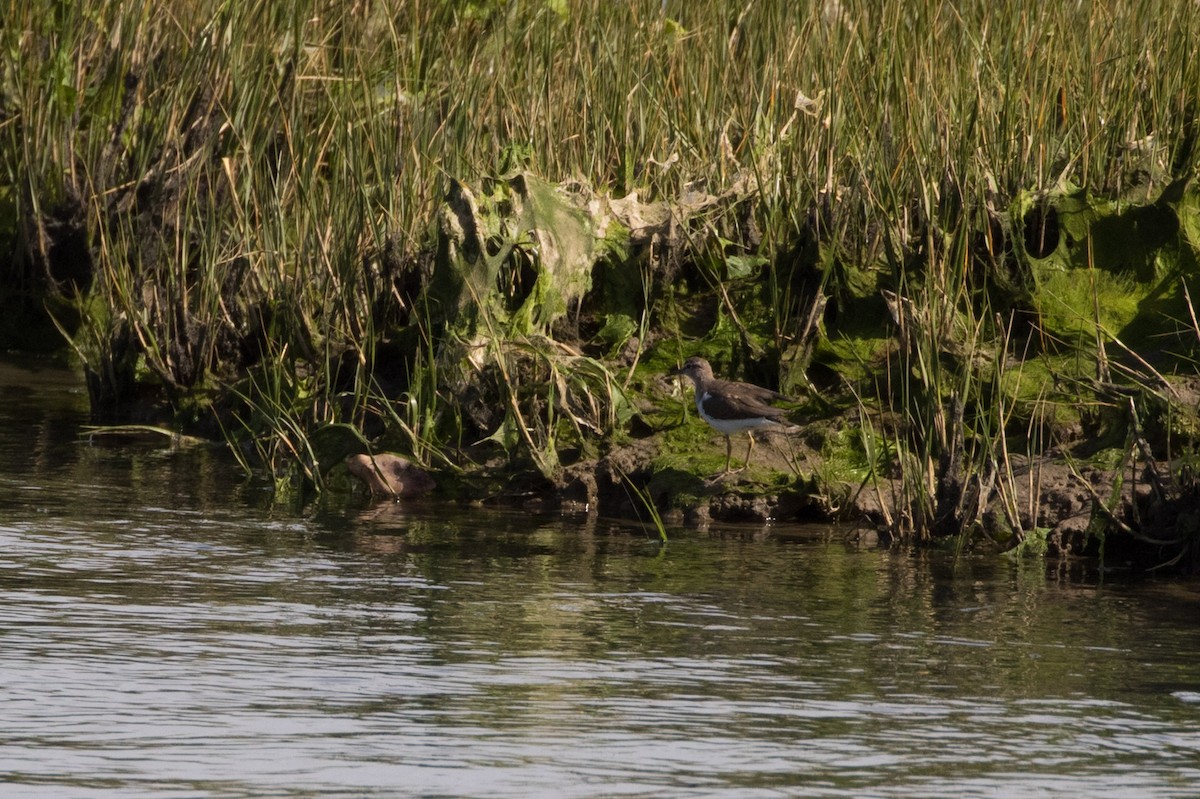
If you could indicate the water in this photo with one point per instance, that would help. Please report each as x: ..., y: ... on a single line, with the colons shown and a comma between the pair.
x: 164, y: 632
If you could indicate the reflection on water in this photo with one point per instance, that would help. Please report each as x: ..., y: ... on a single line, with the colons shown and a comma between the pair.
x: 164, y: 632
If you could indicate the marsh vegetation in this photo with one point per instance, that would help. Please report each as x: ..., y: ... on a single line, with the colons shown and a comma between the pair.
x: 964, y: 234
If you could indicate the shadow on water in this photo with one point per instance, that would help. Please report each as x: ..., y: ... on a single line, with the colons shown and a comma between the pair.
x: 164, y: 631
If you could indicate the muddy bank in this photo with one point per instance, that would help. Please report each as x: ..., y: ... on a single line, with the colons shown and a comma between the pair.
x: 1137, y: 519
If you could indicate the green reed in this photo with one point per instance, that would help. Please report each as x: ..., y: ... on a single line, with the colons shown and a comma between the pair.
x: 261, y: 186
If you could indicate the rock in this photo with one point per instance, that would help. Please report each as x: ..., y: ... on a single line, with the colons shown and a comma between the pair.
x: 389, y: 475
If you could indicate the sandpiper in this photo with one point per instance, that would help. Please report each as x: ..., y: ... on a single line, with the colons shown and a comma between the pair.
x: 731, y: 407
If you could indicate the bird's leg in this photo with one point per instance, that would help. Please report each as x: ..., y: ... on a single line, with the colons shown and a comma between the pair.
x: 728, y: 458
x: 749, y: 449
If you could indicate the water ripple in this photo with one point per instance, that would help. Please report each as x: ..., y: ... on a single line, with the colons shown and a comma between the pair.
x: 162, y: 651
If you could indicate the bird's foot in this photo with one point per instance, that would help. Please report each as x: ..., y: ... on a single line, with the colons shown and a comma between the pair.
x: 723, y: 475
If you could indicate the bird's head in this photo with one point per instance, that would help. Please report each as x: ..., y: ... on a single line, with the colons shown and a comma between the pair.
x: 695, y: 368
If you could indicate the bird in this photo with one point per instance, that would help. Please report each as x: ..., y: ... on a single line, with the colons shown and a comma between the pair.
x: 731, y: 407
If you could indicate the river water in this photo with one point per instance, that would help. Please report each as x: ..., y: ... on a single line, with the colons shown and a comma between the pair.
x: 164, y: 631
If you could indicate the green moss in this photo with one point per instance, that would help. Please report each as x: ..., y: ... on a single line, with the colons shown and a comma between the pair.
x: 1071, y: 303
x: 1115, y: 266
x: 852, y: 454
x: 855, y: 357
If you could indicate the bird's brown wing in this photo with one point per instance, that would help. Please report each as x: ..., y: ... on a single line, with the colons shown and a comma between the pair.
x: 755, y: 393
x: 728, y: 400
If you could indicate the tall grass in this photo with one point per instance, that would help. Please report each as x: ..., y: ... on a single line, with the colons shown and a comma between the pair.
x: 260, y: 187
